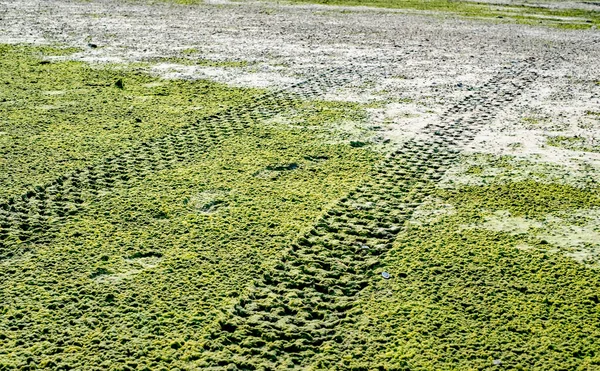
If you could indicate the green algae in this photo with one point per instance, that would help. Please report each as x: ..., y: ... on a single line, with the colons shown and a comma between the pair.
x: 523, y: 14
x: 333, y: 121
x: 146, y: 265
x: 462, y: 298
x: 327, y: 115
x: 475, y: 169
x: 532, y: 122
x: 529, y: 14
x: 576, y: 143
x: 89, y: 287
x: 524, y: 198
x: 143, y: 271
x: 575, y: 234
x: 74, y: 114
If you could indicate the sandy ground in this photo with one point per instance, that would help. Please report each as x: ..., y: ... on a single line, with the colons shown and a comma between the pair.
x: 424, y: 63
x: 410, y: 68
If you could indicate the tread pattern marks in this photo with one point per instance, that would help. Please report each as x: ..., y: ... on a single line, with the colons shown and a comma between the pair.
x: 291, y: 317
x: 29, y: 217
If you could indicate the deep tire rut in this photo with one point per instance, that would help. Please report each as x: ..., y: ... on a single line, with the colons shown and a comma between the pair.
x: 292, y: 316
x: 35, y: 214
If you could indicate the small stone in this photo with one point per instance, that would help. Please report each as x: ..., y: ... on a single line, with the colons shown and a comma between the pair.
x: 497, y: 362
x: 93, y: 46
x: 364, y: 247
x: 385, y: 275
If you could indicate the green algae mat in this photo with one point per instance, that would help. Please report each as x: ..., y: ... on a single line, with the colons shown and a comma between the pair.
x: 546, y: 13
x: 152, y: 224
x: 531, y: 13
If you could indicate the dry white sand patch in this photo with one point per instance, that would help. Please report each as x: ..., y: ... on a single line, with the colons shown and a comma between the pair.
x: 575, y: 234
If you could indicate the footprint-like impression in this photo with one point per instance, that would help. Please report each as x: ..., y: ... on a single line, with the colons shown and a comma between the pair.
x: 127, y: 267
x: 209, y: 201
x: 274, y: 171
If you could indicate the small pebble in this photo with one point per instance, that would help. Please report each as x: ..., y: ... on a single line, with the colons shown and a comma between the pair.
x: 385, y: 275
x: 497, y: 362
x: 365, y: 247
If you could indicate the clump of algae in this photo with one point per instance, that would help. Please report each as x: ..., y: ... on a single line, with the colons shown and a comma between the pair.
x: 145, y: 266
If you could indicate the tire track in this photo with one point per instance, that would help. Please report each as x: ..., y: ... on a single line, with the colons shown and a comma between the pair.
x: 31, y: 216
x: 291, y: 317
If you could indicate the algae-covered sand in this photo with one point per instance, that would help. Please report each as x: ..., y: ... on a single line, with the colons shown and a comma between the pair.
x: 262, y: 186
x: 163, y: 253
